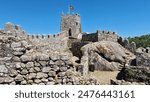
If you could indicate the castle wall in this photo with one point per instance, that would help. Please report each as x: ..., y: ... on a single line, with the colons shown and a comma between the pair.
x: 49, y: 43
x: 100, y: 36
x: 76, y: 48
x: 107, y: 36
x: 93, y: 37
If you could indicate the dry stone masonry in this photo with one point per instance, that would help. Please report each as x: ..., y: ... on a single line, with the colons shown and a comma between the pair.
x: 66, y: 57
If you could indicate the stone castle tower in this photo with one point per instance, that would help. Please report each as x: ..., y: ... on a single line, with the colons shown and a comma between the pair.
x: 71, y: 25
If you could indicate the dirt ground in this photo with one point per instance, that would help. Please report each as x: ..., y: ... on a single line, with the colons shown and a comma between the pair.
x: 104, y: 77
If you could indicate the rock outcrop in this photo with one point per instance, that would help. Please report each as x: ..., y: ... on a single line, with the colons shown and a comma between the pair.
x: 143, y: 57
x: 65, y: 59
x: 106, y: 55
x: 135, y: 74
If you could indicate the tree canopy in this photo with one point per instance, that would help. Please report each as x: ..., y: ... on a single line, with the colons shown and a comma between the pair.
x: 141, y: 41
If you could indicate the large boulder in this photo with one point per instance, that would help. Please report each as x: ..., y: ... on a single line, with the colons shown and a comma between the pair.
x: 143, y: 60
x: 106, y: 55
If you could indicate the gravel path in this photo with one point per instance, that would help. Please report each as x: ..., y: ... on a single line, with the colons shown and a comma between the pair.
x: 104, y: 77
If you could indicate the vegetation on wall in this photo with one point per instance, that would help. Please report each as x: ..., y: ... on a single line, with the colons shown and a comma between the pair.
x: 142, y: 41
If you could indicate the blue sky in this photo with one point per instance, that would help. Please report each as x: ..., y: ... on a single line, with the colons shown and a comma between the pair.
x: 126, y: 17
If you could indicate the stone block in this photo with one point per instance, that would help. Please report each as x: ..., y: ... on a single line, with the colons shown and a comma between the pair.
x: 37, y: 69
x: 31, y: 76
x: 17, y: 53
x: 26, y: 58
x: 31, y: 70
x: 37, y: 81
x: 16, y: 59
x: 46, y: 69
x: 18, y: 65
x: 50, y: 83
x: 29, y: 65
x: 41, y: 75
x: 3, y: 69
x: 24, y: 82
x: 52, y: 73
x: 61, y: 74
x: 19, y: 78
x: 13, y: 73
x: 24, y: 72
x: 15, y: 45
x: 63, y: 69
x: 8, y: 79
x: 1, y: 80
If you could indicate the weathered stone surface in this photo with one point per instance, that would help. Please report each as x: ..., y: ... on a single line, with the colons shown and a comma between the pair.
x: 52, y: 73
x: 16, y: 59
x: 36, y: 64
x: 50, y: 79
x: 3, y: 69
x: 50, y: 83
x: 63, y: 69
x: 24, y: 72
x: 41, y: 75
x: 51, y: 62
x: 60, y: 63
x: 44, y: 80
x: 1, y: 80
x: 13, y: 83
x: 44, y: 57
x: 43, y: 63
x: 24, y: 82
x: 37, y: 81
x: 30, y: 82
x: 29, y: 65
x: 8, y: 79
x: 1, y: 74
x: 19, y: 78
x: 24, y: 43
x: 37, y: 69
x: 55, y: 68
x: 143, y: 59
x: 31, y: 76
x: 61, y: 74
x: 17, y: 53
x: 111, y: 51
x: 25, y: 58
x: 13, y: 73
x: 41, y: 83
x: 31, y: 70
x: 22, y: 65
x: 46, y: 69
x: 123, y: 82
x: 105, y: 55
x: 58, y: 81
x: 18, y: 65
x: 15, y: 45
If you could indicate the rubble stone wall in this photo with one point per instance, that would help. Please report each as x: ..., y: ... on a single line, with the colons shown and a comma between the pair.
x: 25, y: 66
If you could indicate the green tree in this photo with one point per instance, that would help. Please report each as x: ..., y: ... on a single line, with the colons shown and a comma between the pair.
x: 141, y: 41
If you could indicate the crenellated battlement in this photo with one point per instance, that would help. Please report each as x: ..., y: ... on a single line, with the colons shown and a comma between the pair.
x: 47, y: 36
x: 70, y: 32
x: 42, y: 36
x: 106, y: 32
x: 100, y: 36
